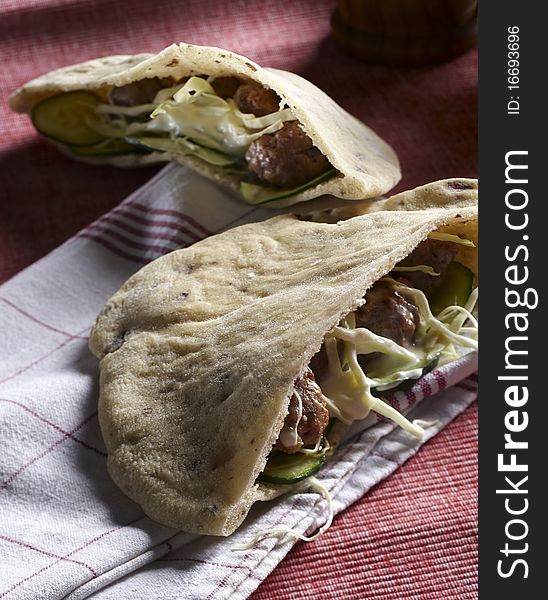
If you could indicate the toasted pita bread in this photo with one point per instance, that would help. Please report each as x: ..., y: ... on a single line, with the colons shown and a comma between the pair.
x: 200, y: 349
x: 367, y: 166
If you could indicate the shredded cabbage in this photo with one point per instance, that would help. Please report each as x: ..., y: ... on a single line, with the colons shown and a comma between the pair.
x: 349, y: 389
x: 311, y: 483
x: 192, y: 111
x: 426, y: 424
x: 321, y: 447
x: 183, y: 146
x: 449, y: 237
x: 191, y: 119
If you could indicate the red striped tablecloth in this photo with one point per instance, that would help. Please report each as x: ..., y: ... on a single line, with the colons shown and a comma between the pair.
x: 415, y: 535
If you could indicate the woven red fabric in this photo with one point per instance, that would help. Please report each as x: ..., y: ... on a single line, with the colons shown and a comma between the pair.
x: 415, y: 535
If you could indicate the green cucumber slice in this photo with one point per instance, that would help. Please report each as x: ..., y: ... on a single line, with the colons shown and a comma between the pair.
x: 112, y: 147
x: 408, y: 383
x: 262, y: 194
x: 456, y: 288
x: 290, y: 468
x: 63, y: 118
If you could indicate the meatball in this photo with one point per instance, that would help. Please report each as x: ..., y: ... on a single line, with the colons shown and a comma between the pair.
x: 314, y: 414
x: 433, y: 253
x: 386, y: 312
x: 286, y: 158
x: 225, y: 87
x: 257, y: 100
x: 319, y: 363
x: 139, y: 92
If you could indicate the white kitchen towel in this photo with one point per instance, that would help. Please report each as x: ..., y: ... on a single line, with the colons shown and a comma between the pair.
x: 66, y: 531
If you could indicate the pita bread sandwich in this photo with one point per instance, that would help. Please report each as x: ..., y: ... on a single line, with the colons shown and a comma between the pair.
x: 231, y: 368
x: 267, y: 135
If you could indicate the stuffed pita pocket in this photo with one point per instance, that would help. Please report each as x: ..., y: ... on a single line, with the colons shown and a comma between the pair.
x: 267, y: 135
x: 229, y: 369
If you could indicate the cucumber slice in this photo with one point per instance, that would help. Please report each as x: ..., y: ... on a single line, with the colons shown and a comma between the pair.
x: 63, y: 118
x: 408, y: 383
x: 291, y: 468
x: 456, y: 288
x: 262, y: 194
x: 112, y: 147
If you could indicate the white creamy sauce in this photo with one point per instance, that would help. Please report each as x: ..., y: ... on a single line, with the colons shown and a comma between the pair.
x: 449, y: 237
x: 366, y: 342
x: 428, y: 322
x: 289, y: 435
x: 195, y: 111
x: 347, y: 389
x: 219, y: 129
x: 346, y: 386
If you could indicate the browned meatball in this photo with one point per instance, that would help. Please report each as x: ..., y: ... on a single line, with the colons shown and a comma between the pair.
x: 286, y: 158
x: 433, y: 253
x: 315, y: 415
x: 319, y: 363
x: 387, y: 313
x: 139, y: 92
x: 260, y: 101
x: 225, y: 87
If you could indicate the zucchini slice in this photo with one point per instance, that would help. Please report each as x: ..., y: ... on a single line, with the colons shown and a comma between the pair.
x: 291, y: 468
x: 64, y: 118
x: 456, y: 288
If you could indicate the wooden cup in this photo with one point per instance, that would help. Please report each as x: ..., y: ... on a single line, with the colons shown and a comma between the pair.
x: 405, y: 32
